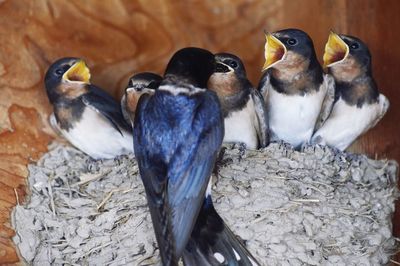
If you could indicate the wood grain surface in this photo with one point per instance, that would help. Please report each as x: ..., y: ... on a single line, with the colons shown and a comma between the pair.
x: 119, y: 38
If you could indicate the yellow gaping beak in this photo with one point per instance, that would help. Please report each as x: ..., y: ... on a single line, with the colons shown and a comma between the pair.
x: 274, y: 51
x: 336, y: 50
x: 78, y: 72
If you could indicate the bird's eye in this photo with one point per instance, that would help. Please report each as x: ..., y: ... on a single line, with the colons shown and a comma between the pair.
x: 292, y: 42
x: 354, y: 45
x: 59, y: 71
x: 233, y: 64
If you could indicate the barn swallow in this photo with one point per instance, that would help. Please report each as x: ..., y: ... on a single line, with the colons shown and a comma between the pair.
x: 178, y: 132
x: 243, y: 107
x: 88, y: 117
x: 298, y: 94
x: 358, y: 104
x: 145, y: 82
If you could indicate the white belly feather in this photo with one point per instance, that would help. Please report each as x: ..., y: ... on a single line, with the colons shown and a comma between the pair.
x: 346, y: 123
x: 292, y: 117
x: 95, y: 136
x: 240, y: 126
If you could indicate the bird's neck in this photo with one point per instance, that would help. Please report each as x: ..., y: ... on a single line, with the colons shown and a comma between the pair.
x: 68, y: 112
x: 349, y: 70
x: 359, y: 91
x: 298, y: 80
x: 235, y: 102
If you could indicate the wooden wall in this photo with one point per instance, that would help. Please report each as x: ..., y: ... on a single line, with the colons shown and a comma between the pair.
x: 118, y: 38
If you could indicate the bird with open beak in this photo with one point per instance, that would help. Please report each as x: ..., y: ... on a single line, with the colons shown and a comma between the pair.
x: 297, y: 93
x: 243, y: 107
x: 88, y: 117
x: 139, y: 84
x: 358, y: 104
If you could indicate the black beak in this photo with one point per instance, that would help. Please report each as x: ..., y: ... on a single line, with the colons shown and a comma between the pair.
x: 221, y: 68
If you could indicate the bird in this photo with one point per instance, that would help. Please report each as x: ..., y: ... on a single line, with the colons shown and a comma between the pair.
x: 243, y: 107
x: 358, y: 105
x: 140, y: 83
x: 178, y: 132
x: 87, y: 116
x: 298, y: 95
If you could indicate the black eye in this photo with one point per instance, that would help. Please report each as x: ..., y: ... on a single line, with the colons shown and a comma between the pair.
x: 354, y: 46
x: 59, y: 71
x: 292, y: 42
x: 233, y: 64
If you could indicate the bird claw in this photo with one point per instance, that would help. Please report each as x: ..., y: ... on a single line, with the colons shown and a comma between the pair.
x: 118, y: 160
x: 307, y: 148
x: 92, y: 165
x: 242, y: 147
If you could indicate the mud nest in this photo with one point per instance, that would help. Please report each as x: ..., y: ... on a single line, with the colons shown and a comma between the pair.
x: 316, y: 207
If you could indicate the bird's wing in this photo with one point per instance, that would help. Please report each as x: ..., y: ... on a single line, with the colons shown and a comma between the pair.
x: 262, y: 118
x: 125, y: 111
x: 104, y: 104
x: 384, y: 106
x: 328, y: 101
x: 176, y: 182
x: 213, y: 243
x: 265, y: 85
x: 153, y: 171
x: 191, y: 167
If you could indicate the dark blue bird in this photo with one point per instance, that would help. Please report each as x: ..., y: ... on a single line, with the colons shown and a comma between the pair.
x: 177, y: 135
x: 178, y: 132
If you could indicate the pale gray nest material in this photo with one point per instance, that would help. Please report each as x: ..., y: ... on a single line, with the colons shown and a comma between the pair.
x: 318, y: 207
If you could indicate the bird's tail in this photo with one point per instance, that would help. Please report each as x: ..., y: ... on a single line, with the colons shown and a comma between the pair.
x: 213, y: 243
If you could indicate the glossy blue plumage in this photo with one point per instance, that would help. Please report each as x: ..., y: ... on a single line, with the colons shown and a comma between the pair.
x: 176, y: 140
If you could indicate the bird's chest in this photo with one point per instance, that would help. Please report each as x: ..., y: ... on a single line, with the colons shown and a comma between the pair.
x: 346, y: 123
x: 68, y: 114
x: 94, y: 135
x: 292, y: 117
x: 345, y: 116
x: 240, y: 126
x: 294, y: 109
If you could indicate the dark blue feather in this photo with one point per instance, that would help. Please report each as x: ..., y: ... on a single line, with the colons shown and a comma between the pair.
x: 212, y: 236
x: 176, y: 141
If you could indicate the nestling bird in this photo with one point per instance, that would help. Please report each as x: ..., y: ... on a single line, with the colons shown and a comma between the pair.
x: 145, y: 82
x: 88, y: 117
x: 358, y: 105
x: 243, y: 107
x: 178, y: 132
x: 296, y: 91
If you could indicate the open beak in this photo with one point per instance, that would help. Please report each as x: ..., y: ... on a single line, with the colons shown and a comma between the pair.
x: 336, y: 50
x: 78, y: 72
x: 222, y: 68
x: 129, y: 90
x: 274, y: 51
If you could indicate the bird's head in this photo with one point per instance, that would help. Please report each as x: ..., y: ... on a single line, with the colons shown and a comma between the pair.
x: 346, y: 57
x: 229, y: 75
x: 66, y: 76
x: 191, y: 66
x: 288, y: 49
x: 139, y: 84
